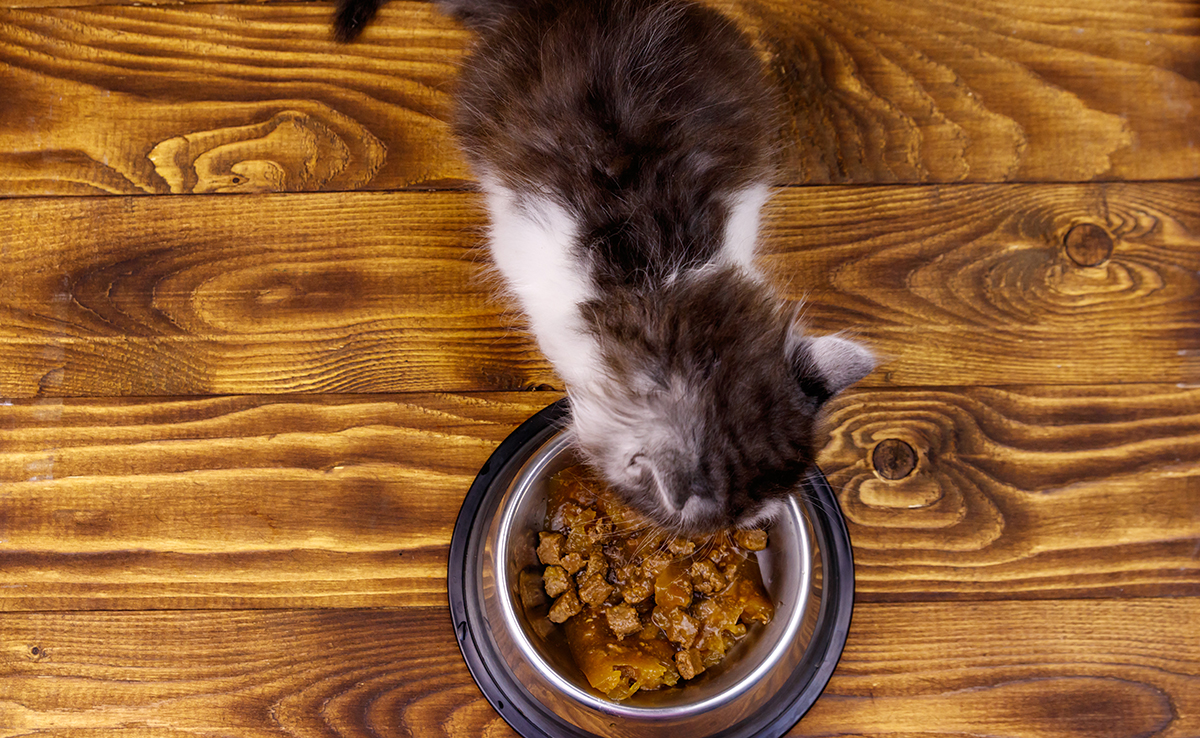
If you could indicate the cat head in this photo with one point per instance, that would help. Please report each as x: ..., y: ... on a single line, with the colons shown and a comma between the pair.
x: 703, y: 416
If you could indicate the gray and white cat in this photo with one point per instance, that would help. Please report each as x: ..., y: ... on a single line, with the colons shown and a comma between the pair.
x: 624, y: 148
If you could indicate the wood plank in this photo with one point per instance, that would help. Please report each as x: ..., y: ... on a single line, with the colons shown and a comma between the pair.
x: 1020, y: 492
x: 158, y: 296
x: 985, y: 91
x: 239, y: 501
x: 255, y: 97
x: 374, y: 292
x: 254, y: 502
x: 1044, y: 670
x: 988, y: 284
x: 223, y: 98
x: 1017, y: 670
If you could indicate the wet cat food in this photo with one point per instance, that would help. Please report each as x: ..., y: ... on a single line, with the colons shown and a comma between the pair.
x: 641, y: 609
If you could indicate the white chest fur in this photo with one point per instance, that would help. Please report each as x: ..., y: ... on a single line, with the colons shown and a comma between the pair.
x: 534, y: 244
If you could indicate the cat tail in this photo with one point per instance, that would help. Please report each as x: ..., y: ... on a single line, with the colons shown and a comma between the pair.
x: 353, y: 15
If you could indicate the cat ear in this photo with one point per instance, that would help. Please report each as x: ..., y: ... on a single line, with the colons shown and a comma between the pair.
x: 838, y: 363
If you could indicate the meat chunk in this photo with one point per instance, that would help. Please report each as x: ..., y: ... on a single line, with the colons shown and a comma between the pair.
x: 622, y: 620
x: 550, y: 547
x: 556, y: 580
x: 531, y: 589
x: 679, y: 627
x: 597, y: 564
x: 754, y: 539
x: 681, y: 547
x: 689, y: 662
x: 565, y: 607
x: 637, y: 591
x: 573, y: 562
x: 594, y: 590
x: 706, y: 578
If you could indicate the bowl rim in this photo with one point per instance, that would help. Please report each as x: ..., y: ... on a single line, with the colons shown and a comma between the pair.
x: 529, y: 717
x: 791, y: 626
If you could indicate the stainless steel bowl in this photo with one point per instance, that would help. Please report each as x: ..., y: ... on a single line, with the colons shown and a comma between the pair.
x: 761, y: 689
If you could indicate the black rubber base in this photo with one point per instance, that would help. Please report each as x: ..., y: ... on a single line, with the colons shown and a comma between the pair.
x: 528, y: 716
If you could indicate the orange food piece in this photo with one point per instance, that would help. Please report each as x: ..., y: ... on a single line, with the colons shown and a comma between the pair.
x: 616, y: 667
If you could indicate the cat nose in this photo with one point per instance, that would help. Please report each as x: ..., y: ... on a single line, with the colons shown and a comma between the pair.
x: 679, y: 500
x: 687, y: 490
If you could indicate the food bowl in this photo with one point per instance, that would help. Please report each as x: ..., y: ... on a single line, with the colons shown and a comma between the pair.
x: 763, y: 687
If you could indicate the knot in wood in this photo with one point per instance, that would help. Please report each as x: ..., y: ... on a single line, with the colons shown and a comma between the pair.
x: 894, y: 459
x: 1088, y: 245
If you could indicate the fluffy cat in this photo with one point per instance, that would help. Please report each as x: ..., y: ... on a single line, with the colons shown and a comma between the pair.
x: 624, y: 148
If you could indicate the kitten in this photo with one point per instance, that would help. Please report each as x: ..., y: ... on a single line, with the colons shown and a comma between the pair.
x: 624, y: 148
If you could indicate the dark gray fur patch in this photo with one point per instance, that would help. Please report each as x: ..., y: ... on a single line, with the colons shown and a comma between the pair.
x: 725, y: 341
x: 641, y: 117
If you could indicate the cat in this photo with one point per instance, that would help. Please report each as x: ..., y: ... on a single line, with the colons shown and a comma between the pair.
x: 624, y: 148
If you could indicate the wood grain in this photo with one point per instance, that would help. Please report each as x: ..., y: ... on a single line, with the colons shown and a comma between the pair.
x: 255, y: 97
x: 1050, y: 670
x: 372, y: 292
x: 1012, y: 670
x: 977, y: 284
x: 222, y: 98
x: 1017, y: 90
x: 239, y: 501
x: 1021, y: 492
x: 325, y: 501
x: 235, y: 431
x: 158, y: 296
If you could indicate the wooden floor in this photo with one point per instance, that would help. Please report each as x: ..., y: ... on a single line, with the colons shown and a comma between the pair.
x: 235, y: 429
